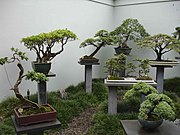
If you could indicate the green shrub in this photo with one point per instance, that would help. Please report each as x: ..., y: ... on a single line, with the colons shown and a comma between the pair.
x: 100, y: 91
x: 104, y: 124
x: 6, y: 130
x: 172, y: 85
x: 8, y: 105
x: 129, y: 105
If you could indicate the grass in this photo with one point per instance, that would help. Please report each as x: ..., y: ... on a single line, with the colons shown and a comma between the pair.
x: 77, y: 101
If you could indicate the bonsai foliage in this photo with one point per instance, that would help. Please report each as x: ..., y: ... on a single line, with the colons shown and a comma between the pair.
x: 101, y: 39
x: 143, y: 69
x: 177, y: 33
x: 139, y: 88
x: 158, y: 104
x: 114, y: 65
x: 44, y: 43
x: 160, y: 44
x: 131, y: 68
x: 130, y: 29
x: 19, y: 56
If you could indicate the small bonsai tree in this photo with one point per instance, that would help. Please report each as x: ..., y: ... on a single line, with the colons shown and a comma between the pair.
x: 130, y: 29
x: 143, y: 69
x: 177, y: 33
x: 131, y: 68
x: 114, y: 66
x: 101, y: 39
x: 19, y: 56
x: 44, y: 43
x: 139, y: 88
x: 157, y: 106
x: 160, y: 44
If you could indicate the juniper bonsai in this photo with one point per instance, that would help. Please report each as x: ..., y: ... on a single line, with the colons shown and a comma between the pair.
x: 160, y: 105
x: 139, y: 88
x: 44, y: 43
x: 19, y: 56
x: 130, y: 29
x: 160, y: 44
x: 101, y: 39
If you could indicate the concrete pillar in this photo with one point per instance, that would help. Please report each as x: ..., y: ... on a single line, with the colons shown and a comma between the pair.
x: 112, y: 100
x: 42, y: 94
x: 160, y: 78
x: 88, y: 78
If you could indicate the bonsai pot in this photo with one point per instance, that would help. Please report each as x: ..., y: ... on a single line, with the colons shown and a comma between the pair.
x: 41, y: 67
x: 124, y: 50
x: 24, y: 120
x: 88, y: 60
x: 149, y: 125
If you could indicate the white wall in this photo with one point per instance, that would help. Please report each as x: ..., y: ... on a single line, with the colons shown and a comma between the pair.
x: 21, y: 18
x: 156, y: 18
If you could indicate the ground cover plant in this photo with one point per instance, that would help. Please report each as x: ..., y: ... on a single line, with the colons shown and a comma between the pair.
x: 76, y: 102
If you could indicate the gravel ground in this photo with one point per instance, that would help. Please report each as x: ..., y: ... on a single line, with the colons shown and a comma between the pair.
x: 79, y: 125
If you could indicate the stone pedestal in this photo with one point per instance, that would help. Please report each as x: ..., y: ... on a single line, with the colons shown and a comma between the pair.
x: 112, y: 95
x: 42, y: 90
x: 88, y: 72
x: 35, y: 129
x: 160, y: 66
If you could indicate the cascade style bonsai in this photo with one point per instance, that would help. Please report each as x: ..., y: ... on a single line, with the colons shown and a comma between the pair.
x: 157, y: 106
x: 160, y: 44
x: 101, y: 39
x: 43, y: 44
x: 130, y: 29
x: 17, y: 57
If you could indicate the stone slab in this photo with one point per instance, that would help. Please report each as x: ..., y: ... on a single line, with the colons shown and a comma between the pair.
x: 133, y: 127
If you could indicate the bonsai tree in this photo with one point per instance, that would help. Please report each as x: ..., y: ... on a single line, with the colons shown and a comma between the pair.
x: 157, y: 106
x: 139, y: 88
x: 143, y: 69
x: 101, y: 39
x: 130, y: 29
x: 114, y: 66
x: 19, y: 56
x: 44, y: 43
x: 160, y: 44
x: 131, y: 68
x: 177, y: 33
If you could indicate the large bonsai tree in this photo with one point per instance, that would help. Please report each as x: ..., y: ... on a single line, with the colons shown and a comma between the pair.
x: 130, y: 29
x: 159, y: 105
x: 19, y: 56
x: 44, y: 43
x: 160, y: 44
x: 101, y: 39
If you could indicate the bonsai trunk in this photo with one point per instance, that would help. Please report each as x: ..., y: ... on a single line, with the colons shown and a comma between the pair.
x: 97, y: 49
x: 16, y: 88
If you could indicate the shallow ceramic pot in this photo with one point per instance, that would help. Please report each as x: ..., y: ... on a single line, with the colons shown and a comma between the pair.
x: 41, y: 67
x: 146, y: 124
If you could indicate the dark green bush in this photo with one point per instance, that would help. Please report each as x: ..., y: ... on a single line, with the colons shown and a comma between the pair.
x: 104, y: 124
x: 172, y: 85
x: 129, y: 105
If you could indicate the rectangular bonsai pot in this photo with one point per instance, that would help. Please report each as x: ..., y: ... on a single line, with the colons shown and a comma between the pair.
x: 35, y: 118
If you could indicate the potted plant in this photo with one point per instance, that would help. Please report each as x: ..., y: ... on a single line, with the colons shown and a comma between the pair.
x: 143, y: 69
x: 154, y: 109
x: 30, y: 112
x: 130, y: 29
x: 43, y: 45
x: 101, y: 39
x: 160, y: 44
x: 138, y: 89
x: 115, y: 67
